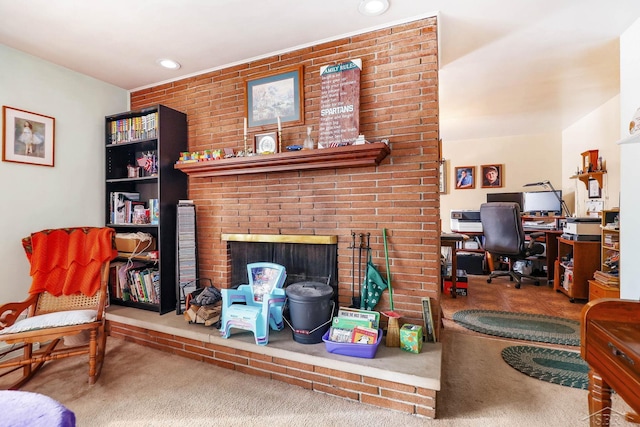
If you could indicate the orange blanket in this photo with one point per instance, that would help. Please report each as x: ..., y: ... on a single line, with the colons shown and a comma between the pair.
x: 68, y: 260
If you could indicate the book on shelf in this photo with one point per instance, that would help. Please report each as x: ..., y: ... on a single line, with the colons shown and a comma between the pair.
x: 427, y: 314
x: 115, y: 288
x: 363, y: 335
x: 154, y: 211
x: 134, y: 129
x: 607, y: 278
x: 120, y: 206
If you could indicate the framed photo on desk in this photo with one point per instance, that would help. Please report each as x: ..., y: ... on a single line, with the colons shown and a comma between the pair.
x: 595, y: 192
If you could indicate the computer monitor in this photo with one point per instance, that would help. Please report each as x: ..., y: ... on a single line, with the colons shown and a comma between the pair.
x: 542, y: 201
x: 506, y: 197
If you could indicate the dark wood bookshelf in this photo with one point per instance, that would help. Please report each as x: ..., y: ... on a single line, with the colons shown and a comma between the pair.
x: 168, y: 186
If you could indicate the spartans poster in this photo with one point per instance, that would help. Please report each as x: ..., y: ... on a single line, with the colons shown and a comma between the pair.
x: 340, y: 104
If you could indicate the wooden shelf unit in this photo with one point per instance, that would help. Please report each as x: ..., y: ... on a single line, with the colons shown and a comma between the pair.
x: 326, y: 158
x: 572, y: 275
x: 610, y: 250
x: 585, y: 177
x: 168, y: 186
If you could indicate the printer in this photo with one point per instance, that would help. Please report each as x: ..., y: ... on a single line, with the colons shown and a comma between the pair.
x: 582, y: 229
x: 466, y: 221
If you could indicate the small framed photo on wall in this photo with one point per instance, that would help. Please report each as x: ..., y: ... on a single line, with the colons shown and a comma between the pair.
x: 492, y: 176
x: 465, y: 177
x: 28, y: 137
x: 595, y: 192
x: 442, y: 183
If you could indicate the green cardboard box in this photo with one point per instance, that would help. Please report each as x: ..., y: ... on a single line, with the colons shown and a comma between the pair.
x: 411, y: 338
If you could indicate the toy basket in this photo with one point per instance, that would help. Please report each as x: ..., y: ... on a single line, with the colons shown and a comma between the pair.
x: 367, y: 351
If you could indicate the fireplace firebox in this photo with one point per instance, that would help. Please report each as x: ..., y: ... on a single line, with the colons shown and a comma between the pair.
x: 306, y: 258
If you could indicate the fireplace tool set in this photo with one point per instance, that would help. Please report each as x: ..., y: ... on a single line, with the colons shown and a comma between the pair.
x: 356, y: 299
x: 372, y: 284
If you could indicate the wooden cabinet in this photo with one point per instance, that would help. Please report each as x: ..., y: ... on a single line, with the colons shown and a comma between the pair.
x: 609, y: 344
x: 575, y: 265
x: 601, y: 290
x: 141, y: 149
x: 606, y: 283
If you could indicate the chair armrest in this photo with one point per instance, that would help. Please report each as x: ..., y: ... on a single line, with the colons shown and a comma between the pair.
x: 241, y: 294
x: 10, y: 312
x: 533, y: 238
x: 276, y: 296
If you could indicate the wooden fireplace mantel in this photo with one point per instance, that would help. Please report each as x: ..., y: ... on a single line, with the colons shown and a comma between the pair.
x: 326, y: 158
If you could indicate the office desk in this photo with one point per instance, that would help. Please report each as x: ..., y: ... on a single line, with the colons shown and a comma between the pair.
x: 451, y: 240
x: 551, y: 240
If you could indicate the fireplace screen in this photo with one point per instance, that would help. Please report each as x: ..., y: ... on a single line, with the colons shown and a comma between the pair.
x: 304, y: 262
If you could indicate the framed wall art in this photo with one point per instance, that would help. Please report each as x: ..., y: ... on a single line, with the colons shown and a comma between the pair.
x: 492, y: 176
x: 595, y: 192
x: 465, y: 177
x: 27, y: 137
x: 273, y: 95
x: 442, y: 182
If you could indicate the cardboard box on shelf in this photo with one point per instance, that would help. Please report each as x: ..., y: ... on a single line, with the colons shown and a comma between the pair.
x: 132, y: 242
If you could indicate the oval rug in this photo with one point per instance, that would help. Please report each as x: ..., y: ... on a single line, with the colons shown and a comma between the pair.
x: 522, y: 326
x: 555, y: 366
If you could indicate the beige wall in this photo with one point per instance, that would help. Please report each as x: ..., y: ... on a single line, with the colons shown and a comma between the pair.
x: 525, y: 158
x: 531, y: 158
x: 598, y: 130
x: 72, y: 192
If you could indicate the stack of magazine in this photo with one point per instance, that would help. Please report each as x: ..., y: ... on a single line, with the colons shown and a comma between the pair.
x: 355, y: 326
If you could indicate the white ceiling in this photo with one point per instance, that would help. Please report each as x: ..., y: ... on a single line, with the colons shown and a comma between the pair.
x: 508, y: 67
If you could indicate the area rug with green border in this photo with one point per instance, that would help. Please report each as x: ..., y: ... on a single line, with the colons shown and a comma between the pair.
x: 522, y: 326
x: 554, y: 366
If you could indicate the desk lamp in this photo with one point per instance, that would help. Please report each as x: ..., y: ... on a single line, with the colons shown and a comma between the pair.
x: 565, y: 208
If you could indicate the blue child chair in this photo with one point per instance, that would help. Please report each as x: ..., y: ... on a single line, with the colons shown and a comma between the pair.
x: 257, y: 306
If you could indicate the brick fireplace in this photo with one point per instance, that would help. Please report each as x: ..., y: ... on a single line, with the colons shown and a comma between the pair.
x: 399, y: 101
x: 306, y: 258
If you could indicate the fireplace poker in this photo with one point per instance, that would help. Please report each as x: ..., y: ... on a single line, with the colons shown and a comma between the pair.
x: 354, y: 301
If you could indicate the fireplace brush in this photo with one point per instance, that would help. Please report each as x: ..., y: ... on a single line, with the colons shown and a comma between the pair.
x: 393, y: 329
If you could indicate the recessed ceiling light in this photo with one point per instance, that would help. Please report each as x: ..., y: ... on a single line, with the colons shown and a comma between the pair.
x: 373, y: 7
x: 169, y: 64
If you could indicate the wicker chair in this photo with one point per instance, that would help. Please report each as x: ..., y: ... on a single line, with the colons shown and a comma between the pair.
x: 54, y: 311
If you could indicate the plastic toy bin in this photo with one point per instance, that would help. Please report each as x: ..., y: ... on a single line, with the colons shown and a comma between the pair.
x: 367, y: 351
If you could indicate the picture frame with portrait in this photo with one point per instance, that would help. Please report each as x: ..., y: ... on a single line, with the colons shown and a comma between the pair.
x: 465, y: 177
x: 28, y: 137
x: 492, y: 176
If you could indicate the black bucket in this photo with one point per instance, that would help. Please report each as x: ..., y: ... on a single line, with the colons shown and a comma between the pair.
x: 310, y: 310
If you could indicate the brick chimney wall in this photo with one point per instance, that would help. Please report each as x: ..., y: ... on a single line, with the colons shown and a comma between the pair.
x: 399, y: 101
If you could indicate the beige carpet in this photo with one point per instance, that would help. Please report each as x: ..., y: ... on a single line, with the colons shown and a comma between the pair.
x: 140, y: 386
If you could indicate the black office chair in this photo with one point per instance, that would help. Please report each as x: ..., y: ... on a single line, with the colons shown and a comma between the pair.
x: 504, y: 236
